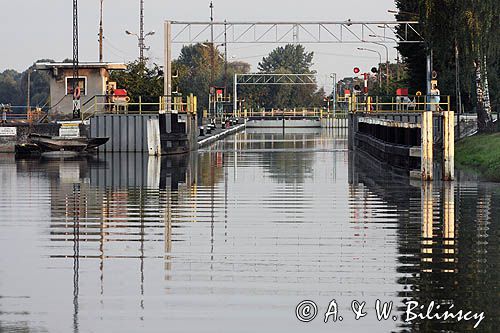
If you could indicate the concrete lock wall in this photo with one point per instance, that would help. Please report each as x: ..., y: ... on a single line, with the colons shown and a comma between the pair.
x: 406, y: 140
x: 127, y: 133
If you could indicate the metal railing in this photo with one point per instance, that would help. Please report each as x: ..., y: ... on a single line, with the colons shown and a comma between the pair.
x: 321, y: 113
x: 19, y: 114
x: 398, y: 103
x: 100, y: 105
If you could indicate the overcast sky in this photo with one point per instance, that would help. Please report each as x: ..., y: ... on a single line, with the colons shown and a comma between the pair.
x: 34, y: 29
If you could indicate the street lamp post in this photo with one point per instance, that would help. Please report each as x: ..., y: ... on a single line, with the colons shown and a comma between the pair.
x: 380, y: 62
x: 386, y: 59
x: 334, y: 77
x: 28, y: 100
x: 140, y: 39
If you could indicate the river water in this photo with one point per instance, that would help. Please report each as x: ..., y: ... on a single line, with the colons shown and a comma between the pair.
x: 234, y: 237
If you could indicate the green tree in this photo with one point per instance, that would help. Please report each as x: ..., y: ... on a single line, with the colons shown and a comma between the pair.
x: 14, y: 87
x: 288, y: 59
x: 9, y: 87
x: 460, y: 32
x: 194, y: 73
x: 140, y: 81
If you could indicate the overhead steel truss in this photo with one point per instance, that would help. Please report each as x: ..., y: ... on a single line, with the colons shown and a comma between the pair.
x: 296, y: 32
x: 269, y: 79
x: 274, y: 79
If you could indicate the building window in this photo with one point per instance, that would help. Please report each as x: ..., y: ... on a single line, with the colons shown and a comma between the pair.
x: 82, y: 83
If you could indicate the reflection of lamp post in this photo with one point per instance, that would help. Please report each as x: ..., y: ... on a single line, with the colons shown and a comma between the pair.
x: 380, y: 62
x: 140, y: 39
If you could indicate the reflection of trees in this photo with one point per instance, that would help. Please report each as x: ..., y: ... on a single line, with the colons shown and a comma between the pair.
x: 448, y: 253
x: 286, y: 158
x: 211, y: 170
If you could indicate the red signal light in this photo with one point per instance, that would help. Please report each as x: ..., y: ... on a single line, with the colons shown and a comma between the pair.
x: 356, y: 70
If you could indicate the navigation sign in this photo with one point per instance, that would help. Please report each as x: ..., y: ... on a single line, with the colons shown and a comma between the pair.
x: 8, y: 131
x: 69, y: 130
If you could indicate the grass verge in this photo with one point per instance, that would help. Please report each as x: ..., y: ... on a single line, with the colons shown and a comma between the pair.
x: 482, y: 153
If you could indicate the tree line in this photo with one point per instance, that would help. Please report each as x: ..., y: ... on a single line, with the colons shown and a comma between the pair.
x: 193, y: 72
x: 14, y: 88
x: 197, y: 69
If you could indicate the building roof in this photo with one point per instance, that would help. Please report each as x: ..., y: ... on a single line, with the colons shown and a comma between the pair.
x: 83, y: 65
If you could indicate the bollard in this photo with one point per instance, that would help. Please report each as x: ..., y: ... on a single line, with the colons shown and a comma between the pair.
x: 448, y: 145
x: 427, y: 146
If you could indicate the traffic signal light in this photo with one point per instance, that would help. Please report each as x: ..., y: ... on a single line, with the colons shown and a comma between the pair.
x: 356, y: 70
x: 374, y: 70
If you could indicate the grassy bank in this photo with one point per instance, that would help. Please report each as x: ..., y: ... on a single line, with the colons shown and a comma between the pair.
x: 482, y: 153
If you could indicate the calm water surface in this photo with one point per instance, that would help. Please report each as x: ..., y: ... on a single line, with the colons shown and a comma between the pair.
x: 232, y: 238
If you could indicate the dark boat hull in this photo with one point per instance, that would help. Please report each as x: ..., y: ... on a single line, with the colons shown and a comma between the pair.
x: 79, y: 145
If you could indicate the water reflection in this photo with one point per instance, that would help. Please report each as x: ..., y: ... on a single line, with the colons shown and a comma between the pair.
x: 230, y: 239
x: 450, y: 254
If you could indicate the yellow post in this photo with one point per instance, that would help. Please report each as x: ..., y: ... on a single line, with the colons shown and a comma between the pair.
x: 427, y: 146
x: 195, y: 105
x: 140, y: 105
x: 448, y: 145
x: 191, y: 100
x: 369, y: 104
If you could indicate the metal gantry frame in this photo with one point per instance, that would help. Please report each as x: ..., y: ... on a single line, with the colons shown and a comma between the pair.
x: 296, y: 32
x: 282, y: 32
x: 269, y: 79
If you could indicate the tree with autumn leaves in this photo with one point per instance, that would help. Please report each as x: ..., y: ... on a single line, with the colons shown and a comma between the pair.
x: 464, y: 37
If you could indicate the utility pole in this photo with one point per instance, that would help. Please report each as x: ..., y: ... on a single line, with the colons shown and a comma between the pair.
x: 76, y: 96
x: 28, y: 102
x: 141, y: 36
x: 212, y: 53
x: 100, y: 34
x: 225, y: 56
x: 141, y: 33
x: 334, y: 93
x: 386, y: 60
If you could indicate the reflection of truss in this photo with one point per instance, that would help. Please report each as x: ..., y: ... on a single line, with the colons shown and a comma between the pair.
x: 274, y: 79
x: 296, y: 32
